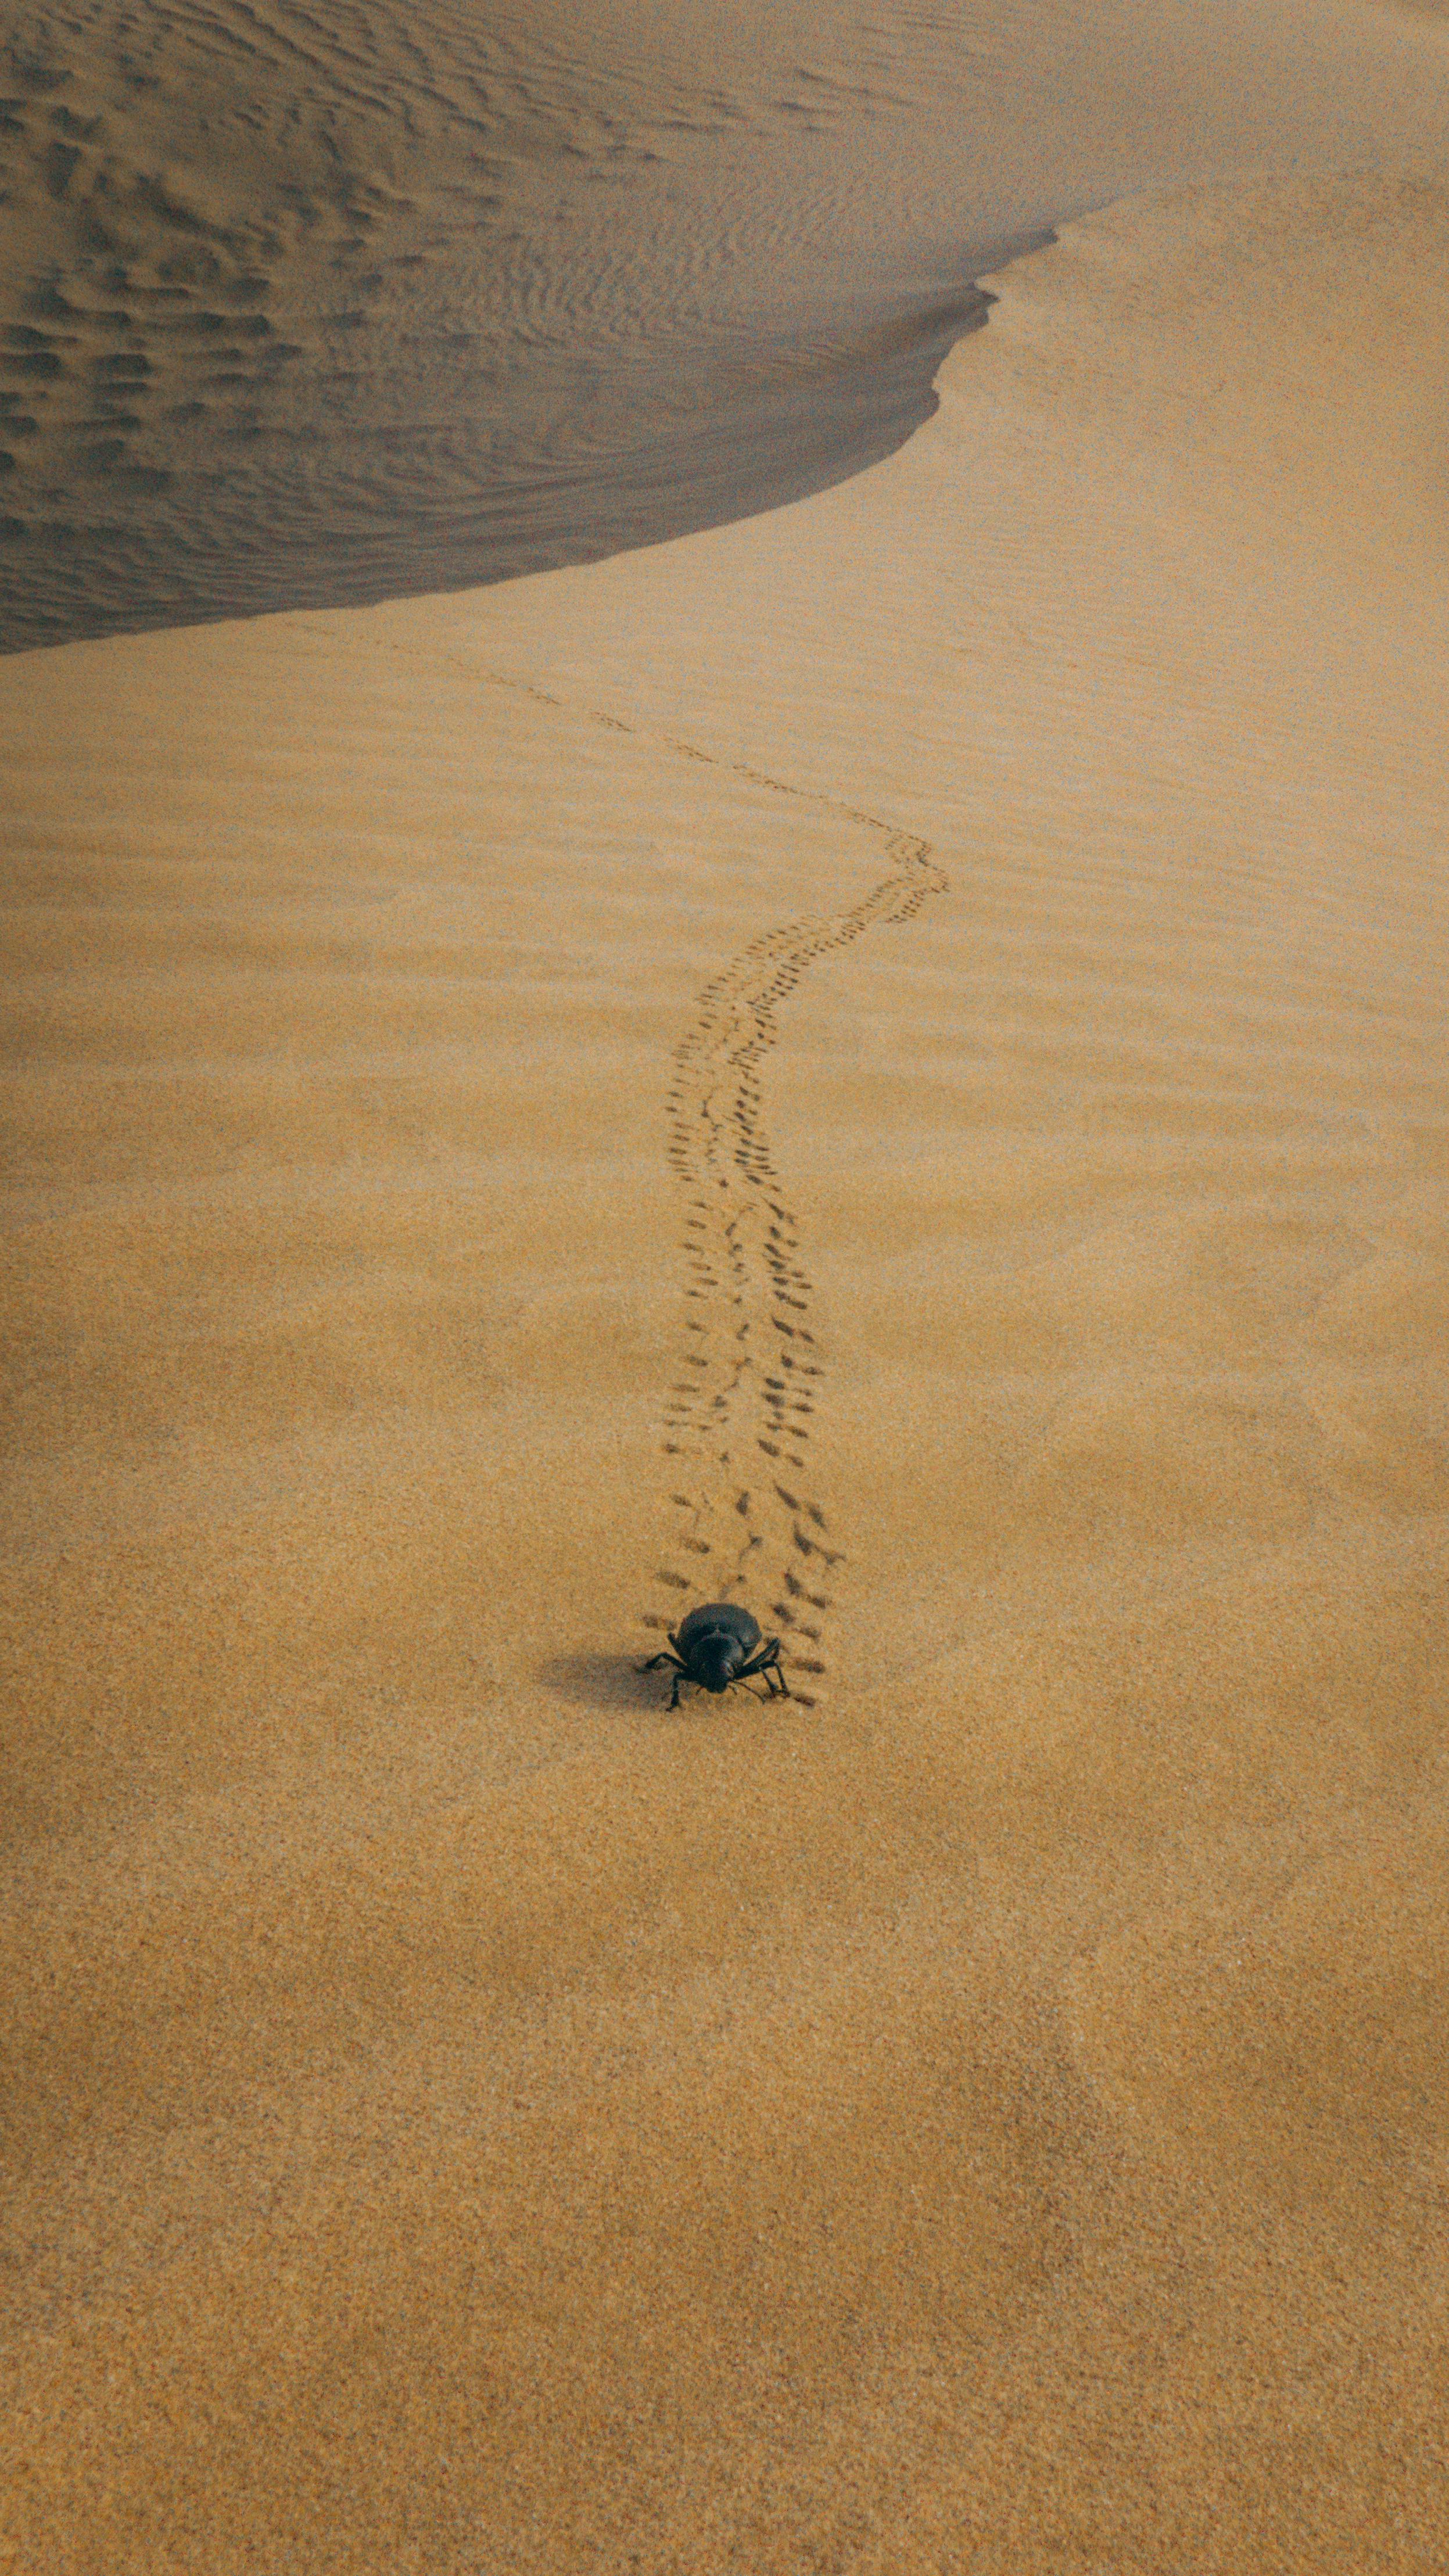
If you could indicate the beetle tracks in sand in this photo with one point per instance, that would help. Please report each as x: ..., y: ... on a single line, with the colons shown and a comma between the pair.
x: 746, y: 1386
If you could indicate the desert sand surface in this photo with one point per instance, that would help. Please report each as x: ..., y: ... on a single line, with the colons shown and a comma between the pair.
x: 886, y: 1058
x: 311, y: 302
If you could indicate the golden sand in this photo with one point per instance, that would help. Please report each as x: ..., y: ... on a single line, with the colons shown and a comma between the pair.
x: 991, y: 2113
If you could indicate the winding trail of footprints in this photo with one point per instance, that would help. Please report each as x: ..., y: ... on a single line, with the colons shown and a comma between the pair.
x: 744, y: 1394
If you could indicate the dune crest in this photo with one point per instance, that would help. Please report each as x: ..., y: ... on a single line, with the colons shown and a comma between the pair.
x: 312, y: 306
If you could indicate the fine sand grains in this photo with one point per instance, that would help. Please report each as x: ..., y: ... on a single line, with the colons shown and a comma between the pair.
x: 460, y: 2117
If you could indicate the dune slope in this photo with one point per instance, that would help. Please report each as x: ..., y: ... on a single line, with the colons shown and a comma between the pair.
x: 990, y: 2112
x: 306, y: 304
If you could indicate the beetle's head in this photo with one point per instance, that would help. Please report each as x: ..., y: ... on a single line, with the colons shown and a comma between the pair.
x: 717, y: 1658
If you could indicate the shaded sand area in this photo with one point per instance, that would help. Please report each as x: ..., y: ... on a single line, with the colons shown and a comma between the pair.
x: 311, y: 302
x: 992, y: 2117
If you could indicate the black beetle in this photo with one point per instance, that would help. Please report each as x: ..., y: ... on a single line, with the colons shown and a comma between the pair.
x: 718, y: 1644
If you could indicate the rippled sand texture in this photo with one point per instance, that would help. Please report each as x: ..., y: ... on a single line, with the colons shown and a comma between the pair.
x: 315, y: 301
x: 994, y: 2117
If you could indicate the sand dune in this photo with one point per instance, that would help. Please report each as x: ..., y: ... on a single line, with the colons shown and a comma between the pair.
x: 994, y: 2116
x: 978, y: 935
x: 307, y: 306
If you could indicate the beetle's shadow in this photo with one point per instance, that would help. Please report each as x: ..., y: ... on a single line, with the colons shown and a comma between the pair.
x: 606, y: 1682
x: 610, y: 1683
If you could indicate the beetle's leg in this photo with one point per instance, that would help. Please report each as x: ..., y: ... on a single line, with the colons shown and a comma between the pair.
x: 769, y: 1654
x: 678, y: 1678
x: 656, y: 1660
x: 767, y: 1661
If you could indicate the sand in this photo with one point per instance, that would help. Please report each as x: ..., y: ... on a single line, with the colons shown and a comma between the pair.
x: 308, y: 305
x: 976, y: 934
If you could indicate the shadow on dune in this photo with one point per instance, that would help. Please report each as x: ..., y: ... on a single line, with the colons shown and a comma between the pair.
x: 434, y: 480
x: 327, y: 306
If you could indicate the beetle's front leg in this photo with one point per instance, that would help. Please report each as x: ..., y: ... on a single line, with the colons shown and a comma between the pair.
x: 656, y: 1660
x: 767, y: 1661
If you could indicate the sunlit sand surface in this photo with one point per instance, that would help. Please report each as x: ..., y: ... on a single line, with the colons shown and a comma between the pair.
x: 977, y: 934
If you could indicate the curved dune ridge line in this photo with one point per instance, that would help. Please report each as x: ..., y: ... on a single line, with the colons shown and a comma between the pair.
x: 307, y: 305
x: 457, y: 2115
